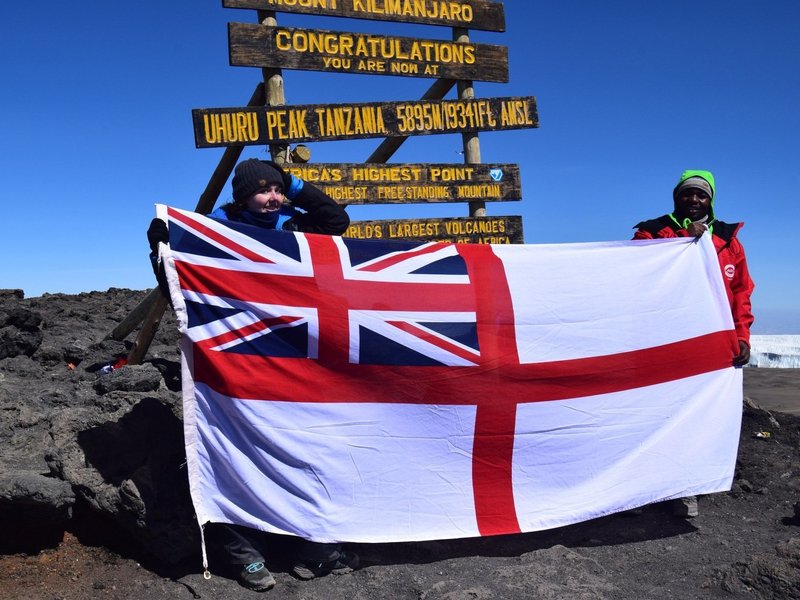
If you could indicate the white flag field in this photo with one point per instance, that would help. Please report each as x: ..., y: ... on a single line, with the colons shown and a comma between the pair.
x: 351, y: 391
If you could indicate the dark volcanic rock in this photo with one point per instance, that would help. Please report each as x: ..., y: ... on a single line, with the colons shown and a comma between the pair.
x: 20, y: 328
x: 29, y: 488
x: 87, y: 447
x: 132, y: 378
x: 72, y: 432
x: 773, y: 575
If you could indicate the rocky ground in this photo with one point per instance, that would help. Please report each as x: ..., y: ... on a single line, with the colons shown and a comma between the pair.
x: 86, y: 457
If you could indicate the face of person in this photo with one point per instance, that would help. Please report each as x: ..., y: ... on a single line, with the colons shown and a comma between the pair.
x: 692, y: 203
x: 268, y: 199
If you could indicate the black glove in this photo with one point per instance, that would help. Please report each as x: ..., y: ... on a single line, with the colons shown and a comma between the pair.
x: 157, y: 232
x: 287, y: 177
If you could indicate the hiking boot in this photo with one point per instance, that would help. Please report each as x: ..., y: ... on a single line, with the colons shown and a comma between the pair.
x: 685, y: 507
x: 345, y: 562
x: 256, y: 577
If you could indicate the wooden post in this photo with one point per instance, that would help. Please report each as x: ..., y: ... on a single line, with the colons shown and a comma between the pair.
x: 275, y: 95
x: 136, y: 316
x: 472, y: 147
x: 148, y: 330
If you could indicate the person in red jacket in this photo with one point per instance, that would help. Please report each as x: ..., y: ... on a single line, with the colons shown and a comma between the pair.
x: 694, y: 215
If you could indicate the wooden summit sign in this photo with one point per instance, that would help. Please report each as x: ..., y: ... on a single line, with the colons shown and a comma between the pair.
x: 359, y: 183
x: 267, y: 121
x: 364, y: 53
x: 471, y: 230
x: 469, y: 14
x: 265, y: 125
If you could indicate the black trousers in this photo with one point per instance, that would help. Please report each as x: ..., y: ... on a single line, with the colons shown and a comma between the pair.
x: 243, y: 545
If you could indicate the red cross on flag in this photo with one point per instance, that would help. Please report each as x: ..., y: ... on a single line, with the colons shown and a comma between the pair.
x: 350, y: 390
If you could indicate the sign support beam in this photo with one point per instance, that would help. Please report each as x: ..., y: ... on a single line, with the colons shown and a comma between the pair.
x: 472, y: 147
x: 389, y: 146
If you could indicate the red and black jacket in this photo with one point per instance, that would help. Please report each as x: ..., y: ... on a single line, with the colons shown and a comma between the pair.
x: 732, y: 263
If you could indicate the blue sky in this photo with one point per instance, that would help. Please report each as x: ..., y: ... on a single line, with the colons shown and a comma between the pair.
x: 96, y: 124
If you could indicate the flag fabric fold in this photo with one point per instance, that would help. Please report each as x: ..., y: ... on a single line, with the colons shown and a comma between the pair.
x: 369, y: 391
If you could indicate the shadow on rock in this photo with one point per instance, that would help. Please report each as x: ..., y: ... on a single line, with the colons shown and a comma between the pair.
x: 170, y: 371
x: 655, y: 522
x: 141, y: 457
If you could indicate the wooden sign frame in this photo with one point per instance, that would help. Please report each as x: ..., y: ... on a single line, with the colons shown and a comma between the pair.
x: 468, y: 14
x: 252, y: 45
x: 243, y: 126
x: 467, y: 115
x: 359, y: 183
x: 458, y: 230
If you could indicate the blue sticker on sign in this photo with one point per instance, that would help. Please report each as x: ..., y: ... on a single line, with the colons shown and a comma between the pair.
x: 496, y: 174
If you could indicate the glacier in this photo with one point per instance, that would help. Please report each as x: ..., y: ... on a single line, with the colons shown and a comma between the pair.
x: 775, y: 351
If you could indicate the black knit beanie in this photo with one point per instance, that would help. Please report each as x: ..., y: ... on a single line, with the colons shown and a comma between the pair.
x: 252, y: 175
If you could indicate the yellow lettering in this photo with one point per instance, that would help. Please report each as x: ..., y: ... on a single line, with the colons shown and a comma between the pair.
x: 341, y: 118
x: 350, y: 193
x: 349, y: 120
x: 211, y: 128
x: 403, y: 124
x: 276, y: 123
x: 375, y: 66
x: 526, y: 112
x: 451, y: 173
x: 404, y: 68
x: 297, y: 124
x: 230, y: 127
x: 364, y: 231
x: 304, y: 3
x: 390, y: 192
x: 515, y: 112
x: 431, y: 9
x: 469, y: 55
x: 334, y: 62
x: 484, y: 190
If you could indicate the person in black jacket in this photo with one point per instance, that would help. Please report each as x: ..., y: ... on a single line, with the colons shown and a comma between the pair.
x: 267, y: 196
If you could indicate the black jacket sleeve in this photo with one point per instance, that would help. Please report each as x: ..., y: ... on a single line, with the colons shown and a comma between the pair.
x: 323, y: 214
x: 157, y: 232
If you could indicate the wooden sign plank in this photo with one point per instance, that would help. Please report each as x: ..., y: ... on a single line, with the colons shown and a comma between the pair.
x: 468, y: 230
x: 468, y: 14
x: 252, y: 45
x: 359, y: 183
x: 264, y: 125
